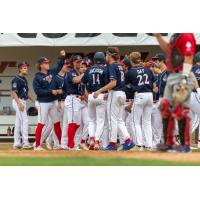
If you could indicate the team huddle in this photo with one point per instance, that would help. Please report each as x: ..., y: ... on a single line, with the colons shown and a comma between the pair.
x: 113, y: 103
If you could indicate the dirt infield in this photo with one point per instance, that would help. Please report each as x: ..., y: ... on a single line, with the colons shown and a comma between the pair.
x: 194, y: 157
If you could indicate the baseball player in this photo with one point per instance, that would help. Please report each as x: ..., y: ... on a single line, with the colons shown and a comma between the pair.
x: 73, y: 100
x: 195, y: 98
x: 162, y: 74
x: 46, y: 97
x: 20, y: 93
x: 176, y: 101
x: 116, y: 100
x: 58, y: 82
x: 95, y: 78
x: 142, y: 82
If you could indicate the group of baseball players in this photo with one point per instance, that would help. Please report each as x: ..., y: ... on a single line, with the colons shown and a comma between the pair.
x: 112, y: 103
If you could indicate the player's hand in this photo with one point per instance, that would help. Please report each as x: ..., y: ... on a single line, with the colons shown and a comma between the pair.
x: 21, y: 107
x: 155, y: 89
x: 54, y: 92
x: 96, y: 94
x: 59, y: 92
x: 62, y: 53
x: 156, y: 34
x: 128, y: 108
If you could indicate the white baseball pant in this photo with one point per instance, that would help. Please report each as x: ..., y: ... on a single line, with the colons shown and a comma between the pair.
x: 21, y: 124
x: 157, y: 127
x: 142, y: 110
x: 115, y: 106
x: 96, y: 115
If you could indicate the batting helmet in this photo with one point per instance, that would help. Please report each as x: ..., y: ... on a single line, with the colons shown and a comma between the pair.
x: 99, y: 58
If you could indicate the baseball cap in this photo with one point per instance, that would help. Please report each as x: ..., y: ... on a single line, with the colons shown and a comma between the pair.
x: 197, y: 57
x: 23, y: 64
x: 42, y: 59
x: 77, y: 58
x: 99, y: 58
x: 160, y: 57
x: 67, y: 62
x: 126, y: 62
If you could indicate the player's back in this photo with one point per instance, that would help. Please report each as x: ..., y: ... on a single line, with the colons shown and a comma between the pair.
x: 141, y: 79
x: 95, y: 78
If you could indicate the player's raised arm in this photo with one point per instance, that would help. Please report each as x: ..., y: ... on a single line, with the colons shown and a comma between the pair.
x: 163, y: 43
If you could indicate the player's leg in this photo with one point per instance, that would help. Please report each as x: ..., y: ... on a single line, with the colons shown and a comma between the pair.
x: 24, y: 122
x: 137, y: 117
x: 17, y: 138
x: 64, y: 129
x: 120, y: 102
x: 100, y: 120
x: 146, y: 120
x: 85, y: 124
x: 56, y: 123
x: 43, y: 112
x: 73, y: 110
x: 92, y: 119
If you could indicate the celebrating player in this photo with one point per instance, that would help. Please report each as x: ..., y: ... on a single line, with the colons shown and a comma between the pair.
x: 142, y: 82
x: 176, y: 103
x: 20, y: 93
x: 46, y: 97
x: 95, y: 78
x: 116, y: 100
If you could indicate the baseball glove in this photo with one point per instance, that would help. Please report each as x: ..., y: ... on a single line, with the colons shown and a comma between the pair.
x: 181, y: 93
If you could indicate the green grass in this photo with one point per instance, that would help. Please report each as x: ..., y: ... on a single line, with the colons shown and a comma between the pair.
x: 86, y: 161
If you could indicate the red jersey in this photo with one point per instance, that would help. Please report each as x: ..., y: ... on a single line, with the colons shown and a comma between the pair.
x: 181, y: 44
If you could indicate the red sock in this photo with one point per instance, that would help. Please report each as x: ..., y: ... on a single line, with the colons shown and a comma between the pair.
x: 58, y: 131
x: 91, y: 139
x: 38, y: 133
x: 82, y: 141
x: 128, y: 140
x: 72, y: 127
x: 112, y: 144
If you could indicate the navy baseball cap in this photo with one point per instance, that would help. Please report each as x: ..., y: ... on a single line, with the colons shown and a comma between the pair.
x: 42, y: 59
x: 197, y: 57
x: 99, y: 58
x: 77, y: 58
x: 23, y: 64
x: 67, y: 62
x: 126, y: 62
x: 160, y: 57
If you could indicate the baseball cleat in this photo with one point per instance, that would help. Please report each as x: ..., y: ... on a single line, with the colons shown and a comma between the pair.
x: 57, y: 147
x: 186, y: 149
x: 137, y: 148
x: 49, y: 146
x: 170, y: 149
x: 27, y: 146
x: 17, y: 147
x: 91, y: 145
x: 83, y: 146
x: 198, y: 145
x: 39, y: 148
x: 128, y: 145
x: 110, y: 148
x: 65, y: 147
x: 96, y: 146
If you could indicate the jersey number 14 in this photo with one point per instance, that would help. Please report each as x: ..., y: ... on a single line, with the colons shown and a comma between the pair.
x: 95, y: 79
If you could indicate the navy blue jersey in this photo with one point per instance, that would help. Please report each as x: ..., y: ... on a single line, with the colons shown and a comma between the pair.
x: 95, y: 78
x: 58, y: 84
x: 71, y: 87
x: 162, y: 80
x: 20, y: 86
x: 196, y: 71
x: 43, y: 84
x: 116, y: 72
x: 141, y: 79
x: 65, y: 86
